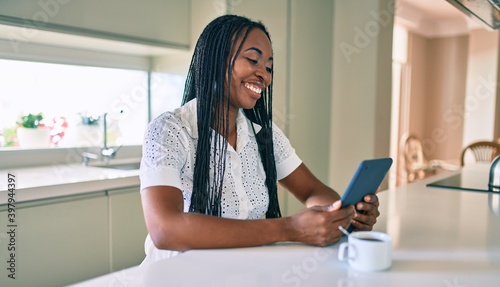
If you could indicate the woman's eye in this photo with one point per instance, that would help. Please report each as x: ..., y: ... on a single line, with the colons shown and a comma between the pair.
x: 256, y: 62
x: 252, y: 61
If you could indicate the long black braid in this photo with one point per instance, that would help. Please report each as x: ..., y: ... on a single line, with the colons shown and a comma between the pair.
x: 205, y: 82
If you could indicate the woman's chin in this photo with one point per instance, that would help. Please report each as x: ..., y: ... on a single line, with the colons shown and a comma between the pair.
x: 250, y: 105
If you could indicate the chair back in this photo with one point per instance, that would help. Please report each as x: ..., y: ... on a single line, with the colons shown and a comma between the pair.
x: 483, y: 151
x: 415, y: 163
x: 413, y: 152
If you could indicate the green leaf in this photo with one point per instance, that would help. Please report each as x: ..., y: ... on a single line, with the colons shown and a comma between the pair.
x: 30, y: 121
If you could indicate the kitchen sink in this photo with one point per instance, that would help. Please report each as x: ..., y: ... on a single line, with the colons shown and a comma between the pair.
x: 122, y: 166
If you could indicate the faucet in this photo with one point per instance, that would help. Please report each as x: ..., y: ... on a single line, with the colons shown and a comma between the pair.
x: 494, y: 183
x: 106, y: 153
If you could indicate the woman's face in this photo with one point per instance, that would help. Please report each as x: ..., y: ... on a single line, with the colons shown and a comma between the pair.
x: 252, y: 70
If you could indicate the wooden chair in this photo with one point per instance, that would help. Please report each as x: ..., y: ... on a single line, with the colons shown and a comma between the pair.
x: 415, y: 164
x: 482, y: 151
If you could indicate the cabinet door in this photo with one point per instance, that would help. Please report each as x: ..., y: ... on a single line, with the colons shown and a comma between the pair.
x: 153, y: 22
x: 58, y: 242
x: 127, y: 228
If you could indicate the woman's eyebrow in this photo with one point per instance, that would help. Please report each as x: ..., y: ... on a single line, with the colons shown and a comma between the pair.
x: 254, y: 49
x: 258, y: 51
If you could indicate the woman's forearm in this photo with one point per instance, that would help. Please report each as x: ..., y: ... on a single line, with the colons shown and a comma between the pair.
x: 321, y: 197
x: 173, y: 229
x: 198, y: 231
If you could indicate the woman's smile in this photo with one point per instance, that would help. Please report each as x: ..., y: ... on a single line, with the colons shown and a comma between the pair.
x: 255, y: 89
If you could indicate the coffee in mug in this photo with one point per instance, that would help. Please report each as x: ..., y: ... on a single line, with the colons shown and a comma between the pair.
x: 367, y: 251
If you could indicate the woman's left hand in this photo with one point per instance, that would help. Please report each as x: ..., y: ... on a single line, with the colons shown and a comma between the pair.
x: 368, y: 213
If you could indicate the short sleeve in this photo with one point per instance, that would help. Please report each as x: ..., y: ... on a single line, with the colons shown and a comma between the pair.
x: 163, y: 152
x: 284, y: 154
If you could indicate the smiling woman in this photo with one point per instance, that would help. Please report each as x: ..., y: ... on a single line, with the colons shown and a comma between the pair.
x: 75, y: 93
x: 210, y: 169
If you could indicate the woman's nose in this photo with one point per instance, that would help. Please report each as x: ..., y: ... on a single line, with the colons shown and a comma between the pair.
x: 264, y: 74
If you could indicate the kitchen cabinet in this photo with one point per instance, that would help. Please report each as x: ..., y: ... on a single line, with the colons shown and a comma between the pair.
x: 127, y: 228
x: 163, y: 23
x: 58, y: 241
x: 68, y: 239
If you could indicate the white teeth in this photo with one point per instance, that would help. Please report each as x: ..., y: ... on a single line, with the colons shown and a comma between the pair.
x: 253, y: 88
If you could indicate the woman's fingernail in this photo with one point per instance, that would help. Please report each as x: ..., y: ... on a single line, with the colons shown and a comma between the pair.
x: 333, y: 206
x: 336, y: 204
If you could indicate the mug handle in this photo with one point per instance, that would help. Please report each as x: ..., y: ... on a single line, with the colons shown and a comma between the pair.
x: 342, y: 255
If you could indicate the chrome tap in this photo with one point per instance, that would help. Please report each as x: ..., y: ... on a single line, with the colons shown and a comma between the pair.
x: 494, y: 183
x: 106, y: 152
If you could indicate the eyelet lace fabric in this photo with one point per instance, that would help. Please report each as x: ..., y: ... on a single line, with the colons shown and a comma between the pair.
x: 169, y: 155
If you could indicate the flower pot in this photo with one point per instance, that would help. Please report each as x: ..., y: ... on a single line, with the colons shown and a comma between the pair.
x: 83, y: 136
x: 33, y: 138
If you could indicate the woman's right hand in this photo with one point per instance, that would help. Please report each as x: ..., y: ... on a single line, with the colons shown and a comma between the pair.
x: 318, y: 225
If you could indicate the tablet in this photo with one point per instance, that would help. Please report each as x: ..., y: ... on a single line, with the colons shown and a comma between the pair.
x: 366, y: 180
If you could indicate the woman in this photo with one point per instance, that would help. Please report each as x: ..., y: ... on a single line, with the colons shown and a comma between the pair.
x: 218, y: 158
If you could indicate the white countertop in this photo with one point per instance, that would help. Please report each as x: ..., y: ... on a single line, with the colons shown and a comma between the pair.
x: 441, y: 237
x: 61, y: 180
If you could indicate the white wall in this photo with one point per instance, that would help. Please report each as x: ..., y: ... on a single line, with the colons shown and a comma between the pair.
x: 335, y: 112
x: 480, y: 100
x: 361, y: 98
x: 275, y: 18
x: 202, y: 12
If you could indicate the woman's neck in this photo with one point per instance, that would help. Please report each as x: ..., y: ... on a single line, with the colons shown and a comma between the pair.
x: 231, y: 129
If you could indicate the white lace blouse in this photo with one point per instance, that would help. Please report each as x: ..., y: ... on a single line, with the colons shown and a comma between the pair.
x: 169, y: 155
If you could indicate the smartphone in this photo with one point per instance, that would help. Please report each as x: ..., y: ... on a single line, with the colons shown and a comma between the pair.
x: 366, y: 180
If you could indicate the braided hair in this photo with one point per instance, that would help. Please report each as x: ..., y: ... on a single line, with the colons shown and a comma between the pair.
x: 211, y: 67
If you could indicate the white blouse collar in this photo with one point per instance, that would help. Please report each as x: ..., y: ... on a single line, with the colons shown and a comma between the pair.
x: 189, y: 119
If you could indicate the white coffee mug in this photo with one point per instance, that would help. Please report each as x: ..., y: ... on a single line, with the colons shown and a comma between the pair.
x: 367, y: 251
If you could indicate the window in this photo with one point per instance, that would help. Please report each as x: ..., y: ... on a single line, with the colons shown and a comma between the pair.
x: 74, y: 98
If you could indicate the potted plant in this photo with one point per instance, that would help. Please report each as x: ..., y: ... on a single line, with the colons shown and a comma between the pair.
x: 83, y: 130
x: 31, y: 132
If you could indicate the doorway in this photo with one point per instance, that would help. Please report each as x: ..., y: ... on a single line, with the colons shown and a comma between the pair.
x: 444, y: 89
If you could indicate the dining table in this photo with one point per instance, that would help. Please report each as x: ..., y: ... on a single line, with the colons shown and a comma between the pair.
x: 445, y: 236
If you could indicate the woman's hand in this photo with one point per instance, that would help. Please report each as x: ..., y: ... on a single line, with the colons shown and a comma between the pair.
x: 318, y: 225
x: 367, y: 217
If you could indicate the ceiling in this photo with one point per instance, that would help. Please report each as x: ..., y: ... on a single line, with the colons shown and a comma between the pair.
x: 435, y: 9
x: 430, y: 18
x: 434, y: 18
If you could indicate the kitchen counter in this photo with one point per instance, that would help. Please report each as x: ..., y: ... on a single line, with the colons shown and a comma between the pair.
x: 63, y: 180
x: 59, y: 207
x: 441, y: 237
